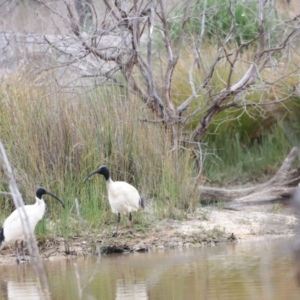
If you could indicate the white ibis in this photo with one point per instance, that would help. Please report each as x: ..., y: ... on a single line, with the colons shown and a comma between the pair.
x: 122, y: 196
x: 12, y: 229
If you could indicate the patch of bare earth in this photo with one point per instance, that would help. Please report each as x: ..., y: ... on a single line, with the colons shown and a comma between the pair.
x: 209, y: 226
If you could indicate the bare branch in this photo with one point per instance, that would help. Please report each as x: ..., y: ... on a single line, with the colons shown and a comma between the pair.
x: 171, y: 59
x: 186, y: 104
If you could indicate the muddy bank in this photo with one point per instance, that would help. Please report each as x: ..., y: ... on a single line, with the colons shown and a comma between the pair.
x: 208, y: 226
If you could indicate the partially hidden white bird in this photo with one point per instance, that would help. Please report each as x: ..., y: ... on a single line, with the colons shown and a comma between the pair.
x: 122, y: 196
x: 12, y: 229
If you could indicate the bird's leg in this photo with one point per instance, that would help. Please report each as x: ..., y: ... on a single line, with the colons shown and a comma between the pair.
x: 117, y: 226
x: 17, y: 252
x: 23, y: 252
x: 130, y: 223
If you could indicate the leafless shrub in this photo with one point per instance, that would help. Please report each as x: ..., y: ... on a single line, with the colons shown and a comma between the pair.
x: 118, y: 47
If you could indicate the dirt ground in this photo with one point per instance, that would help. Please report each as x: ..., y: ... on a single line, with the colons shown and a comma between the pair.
x: 207, y: 227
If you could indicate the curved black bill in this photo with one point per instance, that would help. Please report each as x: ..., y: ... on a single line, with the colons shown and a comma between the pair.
x: 48, y: 193
x: 90, y: 175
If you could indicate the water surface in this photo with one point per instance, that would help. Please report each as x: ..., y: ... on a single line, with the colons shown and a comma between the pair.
x: 249, y: 270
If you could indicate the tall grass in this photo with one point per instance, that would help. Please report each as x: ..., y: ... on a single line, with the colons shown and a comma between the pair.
x: 233, y: 163
x: 54, y: 139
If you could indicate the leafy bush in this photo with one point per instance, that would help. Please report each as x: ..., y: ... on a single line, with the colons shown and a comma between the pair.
x: 219, y: 17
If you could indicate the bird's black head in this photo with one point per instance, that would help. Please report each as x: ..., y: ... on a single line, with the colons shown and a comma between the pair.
x: 103, y: 170
x: 41, y: 191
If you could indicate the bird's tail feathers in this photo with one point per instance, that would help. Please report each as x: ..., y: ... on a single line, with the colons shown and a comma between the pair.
x: 142, y: 204
x: 1, y: 235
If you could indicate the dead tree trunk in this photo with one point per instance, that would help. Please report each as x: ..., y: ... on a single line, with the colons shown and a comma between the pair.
x: 279, y: 188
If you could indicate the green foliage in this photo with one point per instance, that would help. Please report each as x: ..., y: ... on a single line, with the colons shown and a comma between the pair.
x: 219, y: 17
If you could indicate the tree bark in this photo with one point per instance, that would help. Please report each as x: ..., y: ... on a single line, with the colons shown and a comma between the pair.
x: 278, y: 189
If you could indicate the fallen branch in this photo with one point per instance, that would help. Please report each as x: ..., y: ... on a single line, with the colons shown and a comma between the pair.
x: 280, y: 187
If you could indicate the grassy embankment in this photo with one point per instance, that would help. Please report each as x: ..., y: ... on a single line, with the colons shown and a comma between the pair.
x: 54, y: 139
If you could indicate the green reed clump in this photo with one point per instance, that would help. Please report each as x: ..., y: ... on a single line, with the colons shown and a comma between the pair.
x: 231, y: 162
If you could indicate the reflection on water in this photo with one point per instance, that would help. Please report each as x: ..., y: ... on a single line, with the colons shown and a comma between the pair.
x: 20, y: 287
x: 235, y: 271
x: 131, y: 291
x: 17, y: 290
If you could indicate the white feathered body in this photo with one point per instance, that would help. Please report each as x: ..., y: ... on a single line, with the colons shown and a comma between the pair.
x: 12, y: 226
x: 122, y: 197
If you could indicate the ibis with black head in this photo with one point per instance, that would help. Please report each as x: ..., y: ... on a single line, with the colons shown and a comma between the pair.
x: 122, y: 196
x: 12, y: 229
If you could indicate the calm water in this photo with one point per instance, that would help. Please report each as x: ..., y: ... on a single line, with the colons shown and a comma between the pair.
x: 257, y: 270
